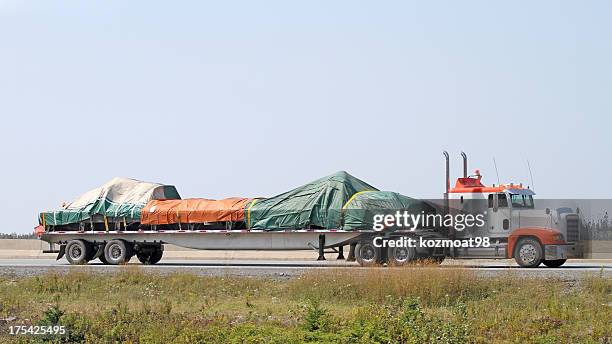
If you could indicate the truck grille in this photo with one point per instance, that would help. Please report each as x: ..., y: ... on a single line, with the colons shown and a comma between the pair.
x: 573, y: 227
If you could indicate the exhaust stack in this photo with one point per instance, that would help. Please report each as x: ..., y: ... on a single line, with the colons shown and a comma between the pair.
x: 451, y: 229
x: 465, y: 166
x: 447, y: 182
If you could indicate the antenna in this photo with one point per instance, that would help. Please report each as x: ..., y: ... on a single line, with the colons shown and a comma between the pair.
x: 530, y: 175
x: 496, y: 172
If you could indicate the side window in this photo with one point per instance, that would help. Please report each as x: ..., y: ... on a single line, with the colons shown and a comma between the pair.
x: 490, y: 201
x: 502, y: 201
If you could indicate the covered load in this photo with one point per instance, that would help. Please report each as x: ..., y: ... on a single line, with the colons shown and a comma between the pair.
x: 119, y: 198
x: 360, y: 211
x: 317, y: 204
x: 195, y: 210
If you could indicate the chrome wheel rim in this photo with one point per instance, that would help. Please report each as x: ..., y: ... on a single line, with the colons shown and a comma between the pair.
x: 400, y: 254
x: 75, y: 252
x: 367, y: 253
x: 528, y: 253
x: 115, y: 252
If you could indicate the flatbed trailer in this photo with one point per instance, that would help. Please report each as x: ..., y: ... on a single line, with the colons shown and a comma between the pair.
x: 94, y: 244
x: 116, y: 241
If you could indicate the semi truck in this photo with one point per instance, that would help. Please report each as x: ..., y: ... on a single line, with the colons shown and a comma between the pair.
x: 127, y: 218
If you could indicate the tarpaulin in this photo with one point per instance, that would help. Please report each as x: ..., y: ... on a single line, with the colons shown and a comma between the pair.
x: 195, y: 210
x: 317, y: 204
x: 359, y: 211
x: 120, y: 198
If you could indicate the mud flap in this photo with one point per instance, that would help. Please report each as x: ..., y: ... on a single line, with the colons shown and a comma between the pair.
x: 100, y: 252
x: 62, y: 252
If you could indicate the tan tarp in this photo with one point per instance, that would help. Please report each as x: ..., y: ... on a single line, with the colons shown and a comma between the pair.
x: 120, y: 191
x: 119, y: 198
x: 195, y: 210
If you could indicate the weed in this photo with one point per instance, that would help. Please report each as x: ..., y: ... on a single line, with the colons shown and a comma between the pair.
x: 394, y: 305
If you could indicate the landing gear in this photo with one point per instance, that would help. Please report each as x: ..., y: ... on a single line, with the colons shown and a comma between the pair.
x: 340, y: 253
x: 351, y: 255
x: 528, y: 253
x: 321, y: 247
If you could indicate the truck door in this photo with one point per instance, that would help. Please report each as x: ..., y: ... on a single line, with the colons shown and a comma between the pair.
x: 498, y: 214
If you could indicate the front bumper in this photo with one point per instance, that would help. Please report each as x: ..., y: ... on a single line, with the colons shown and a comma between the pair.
x: 556, y: 252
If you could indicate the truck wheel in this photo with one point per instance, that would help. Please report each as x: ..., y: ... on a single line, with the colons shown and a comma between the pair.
x: 117, y: 252
x: 399, y: 256
x: 77, y: 252
x: 554, y: 263
x: 150, y: 258
x: 528, y: 253
x: 367, y: 254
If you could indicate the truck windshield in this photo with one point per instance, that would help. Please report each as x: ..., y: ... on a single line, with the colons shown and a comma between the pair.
x: 521, y: 201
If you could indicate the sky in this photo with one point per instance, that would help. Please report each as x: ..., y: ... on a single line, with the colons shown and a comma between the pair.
x: 253, y: 98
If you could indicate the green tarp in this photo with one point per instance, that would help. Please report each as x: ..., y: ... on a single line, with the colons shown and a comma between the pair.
x: 315, y: 205
x: 338, y: 201
x: 119, y: 198
x: 359, y: 213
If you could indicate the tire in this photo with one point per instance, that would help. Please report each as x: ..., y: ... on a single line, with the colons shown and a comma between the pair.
x: 150, y: 258
x: 400, y: 256
x: 528, y: 253
x: 367, y: 254
x: 554, y: 263
x: 117, y: 252
x: 77, y: 252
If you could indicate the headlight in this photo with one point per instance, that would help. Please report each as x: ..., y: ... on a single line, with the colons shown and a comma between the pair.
x: 559, y: 237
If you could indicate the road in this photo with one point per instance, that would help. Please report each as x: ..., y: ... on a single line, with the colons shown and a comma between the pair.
x: 572, y: 270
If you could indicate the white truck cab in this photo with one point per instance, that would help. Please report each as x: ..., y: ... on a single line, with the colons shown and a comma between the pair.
x: 516, y: 228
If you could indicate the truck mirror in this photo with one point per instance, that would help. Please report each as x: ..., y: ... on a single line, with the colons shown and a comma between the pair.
x: 495, y: 205
x: 547, y: 211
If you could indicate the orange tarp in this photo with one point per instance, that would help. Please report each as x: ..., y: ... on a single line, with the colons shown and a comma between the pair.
x: 194, y: 210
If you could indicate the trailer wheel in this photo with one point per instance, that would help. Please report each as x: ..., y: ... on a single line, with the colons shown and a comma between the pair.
x: 117, y: 252
x: 77, y: 252
x: 150, y: 258
x: 554, y: 263
x: 399, y: 256
x: 367, y: 254
x: 528, y: 253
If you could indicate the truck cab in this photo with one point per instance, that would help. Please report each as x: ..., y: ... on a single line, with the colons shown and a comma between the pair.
x: 513, y: 223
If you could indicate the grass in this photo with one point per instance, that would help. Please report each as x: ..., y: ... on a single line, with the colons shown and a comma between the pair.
x: 384, y: 305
